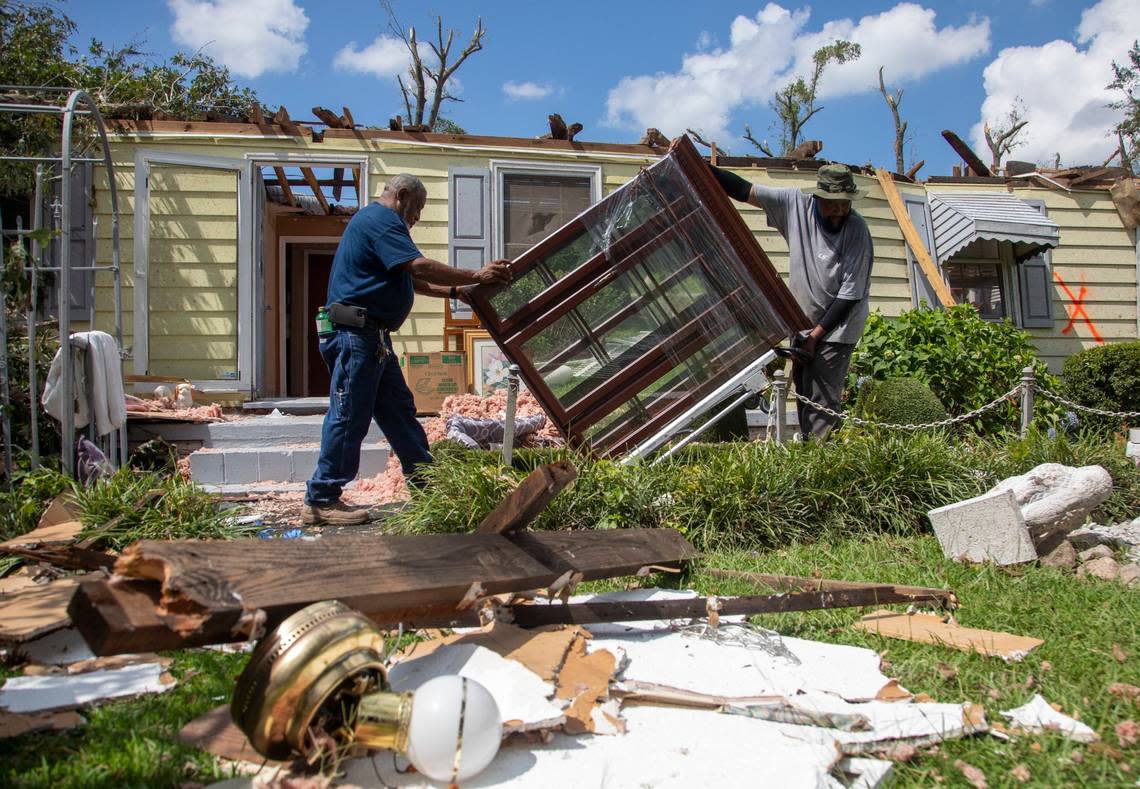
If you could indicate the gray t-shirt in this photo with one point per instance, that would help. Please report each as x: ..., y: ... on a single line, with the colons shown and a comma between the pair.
x: 822, y: 265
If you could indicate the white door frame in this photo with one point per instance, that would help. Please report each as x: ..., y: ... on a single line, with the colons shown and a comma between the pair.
x: 144, y: 158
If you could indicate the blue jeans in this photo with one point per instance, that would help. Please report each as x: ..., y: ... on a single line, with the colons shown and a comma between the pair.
x: 364, y: 388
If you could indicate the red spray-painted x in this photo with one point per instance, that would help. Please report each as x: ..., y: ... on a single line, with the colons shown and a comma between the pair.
x: 1078, y: 309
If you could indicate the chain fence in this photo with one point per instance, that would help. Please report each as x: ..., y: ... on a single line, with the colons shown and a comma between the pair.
x: 1017, y: 393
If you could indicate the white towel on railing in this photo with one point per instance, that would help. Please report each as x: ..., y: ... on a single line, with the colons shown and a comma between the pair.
x: 98, y: 383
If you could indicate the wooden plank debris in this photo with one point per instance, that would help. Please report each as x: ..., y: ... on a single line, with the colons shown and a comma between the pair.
x: 527, y: 501
x: 977, y: 167
x: 931, y: 629
x: 913, y: 240
x: 33, y: 611
x: 169, y: 595
x: 916, y: 594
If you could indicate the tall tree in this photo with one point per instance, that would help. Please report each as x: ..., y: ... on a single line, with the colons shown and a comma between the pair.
x: 794, y: 104
x: 893, y: 101
x: 1127, y: 81
x: 427, y: 88
x: 1002, y: 136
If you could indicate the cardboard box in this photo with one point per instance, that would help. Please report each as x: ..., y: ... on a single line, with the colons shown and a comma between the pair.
x: 432, y: 377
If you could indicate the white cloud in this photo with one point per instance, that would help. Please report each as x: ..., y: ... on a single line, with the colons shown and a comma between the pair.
x: 250, y: 37
x: 385, y: 57
x: 768, y: 50
x: 527, y: 91
x: 1062, y: 84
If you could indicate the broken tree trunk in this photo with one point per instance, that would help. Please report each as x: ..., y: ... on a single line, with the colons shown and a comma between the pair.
x: 169, y: 595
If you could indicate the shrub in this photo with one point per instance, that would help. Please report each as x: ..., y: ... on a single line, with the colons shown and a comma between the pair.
x: 1105, y: 377
x: 966, y: 361
x: 900, y: 401
x: 32, y: 491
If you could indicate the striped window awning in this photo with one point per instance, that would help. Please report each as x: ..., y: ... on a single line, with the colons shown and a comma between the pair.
x: 961, y: 218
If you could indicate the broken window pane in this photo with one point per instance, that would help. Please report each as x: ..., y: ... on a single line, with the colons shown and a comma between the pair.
x: 627, y: 315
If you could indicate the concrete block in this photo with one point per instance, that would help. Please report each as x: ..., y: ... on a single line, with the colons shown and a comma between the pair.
x: 1134, y: 435
x: 207, y: 468
x: 241, y: 466
x: 373, y: 461
x: 304, y: 462
x: 274, y: 465
x: 1132, y: 450
x: 985, y: 528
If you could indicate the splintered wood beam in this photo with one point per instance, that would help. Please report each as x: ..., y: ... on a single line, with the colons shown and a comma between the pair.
x: 527, y: 501
x: 356, y: 179
x: 283, y: 182
x: 917, y: 594
x: 282, y: 119
x: 328, y: 117
x: 1091, y: 175
x: 349, y: 122
x: 311, y: 180
x: 967, y: 153
x: 338, y: 174
x: 913, y: 240
x: 170, y: 595
x: 913, y: 171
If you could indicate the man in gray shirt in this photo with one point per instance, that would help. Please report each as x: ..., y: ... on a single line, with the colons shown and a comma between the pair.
x: 829, y: 264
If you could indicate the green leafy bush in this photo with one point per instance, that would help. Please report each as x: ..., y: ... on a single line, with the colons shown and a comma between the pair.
x: 900, y: 401
x: 22, y: 506
x: 966, y: 361
x: 1105, y: 377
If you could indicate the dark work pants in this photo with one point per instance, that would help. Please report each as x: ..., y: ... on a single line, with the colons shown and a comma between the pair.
x: 822, y: 381
x: 364, y: 388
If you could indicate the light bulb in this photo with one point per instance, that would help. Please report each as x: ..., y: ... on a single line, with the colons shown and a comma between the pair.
x: 455, y: 728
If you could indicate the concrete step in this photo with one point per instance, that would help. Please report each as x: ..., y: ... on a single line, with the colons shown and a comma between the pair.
x: 250, y: 431
x: 278, y: 463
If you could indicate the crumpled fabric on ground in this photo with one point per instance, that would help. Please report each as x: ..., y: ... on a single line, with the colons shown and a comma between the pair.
x: 481, y: 433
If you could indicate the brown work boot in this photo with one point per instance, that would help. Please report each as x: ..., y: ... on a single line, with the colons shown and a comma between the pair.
x: 337, y: 513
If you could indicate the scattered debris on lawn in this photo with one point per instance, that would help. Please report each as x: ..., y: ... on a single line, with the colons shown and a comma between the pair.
x: 35, y: 610
x: 1040, y: 716
x: 931, y: 629
x: 68, y: 691
x: 15, y: 724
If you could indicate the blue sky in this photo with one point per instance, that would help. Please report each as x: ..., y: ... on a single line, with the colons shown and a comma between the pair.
x: 618, y: 67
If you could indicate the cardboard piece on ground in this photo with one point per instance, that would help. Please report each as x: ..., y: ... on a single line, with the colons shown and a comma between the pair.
x: 67, y: 691
x: 216, y: 733
x: 522, y: 696
x: 584, y: 680
x: 433, y: 377
x: 58, y: 525
x: 930, y: 629
x: 1038, y: 716
x: 35, y: 611
x: 541, y: 650
x: 14, y: 724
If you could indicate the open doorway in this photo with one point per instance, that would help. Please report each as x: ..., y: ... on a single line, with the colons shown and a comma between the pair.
x: 307, y: 267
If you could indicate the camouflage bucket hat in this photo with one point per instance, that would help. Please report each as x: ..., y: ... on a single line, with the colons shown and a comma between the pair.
x: 835, y: 182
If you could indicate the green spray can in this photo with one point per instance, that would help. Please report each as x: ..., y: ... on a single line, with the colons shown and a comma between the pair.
x: 324, y: 323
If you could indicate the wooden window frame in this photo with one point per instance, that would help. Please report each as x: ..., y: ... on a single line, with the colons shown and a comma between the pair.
x: 671, y: 345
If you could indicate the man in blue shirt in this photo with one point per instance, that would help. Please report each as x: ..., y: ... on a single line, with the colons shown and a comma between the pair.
x: 377, y: 269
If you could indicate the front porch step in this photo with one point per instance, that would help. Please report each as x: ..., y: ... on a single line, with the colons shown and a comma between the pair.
x: 276, y: 463
x: 249, y: 432
x: 301, y: 406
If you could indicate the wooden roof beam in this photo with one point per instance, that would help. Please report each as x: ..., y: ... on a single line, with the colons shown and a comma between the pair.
x: 976, y: 165
x: 338, y: 174
x: 311, y: 180
x: 283, y: 182
x: 356, y: 179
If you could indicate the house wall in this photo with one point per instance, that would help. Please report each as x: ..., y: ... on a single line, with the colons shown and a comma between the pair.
x: 198, y: 299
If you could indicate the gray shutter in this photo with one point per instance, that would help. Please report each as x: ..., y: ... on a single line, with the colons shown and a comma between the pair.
x: 82, y: 283
x: 468, y: 223
x: 921, y: 289
x: 1035, y: 280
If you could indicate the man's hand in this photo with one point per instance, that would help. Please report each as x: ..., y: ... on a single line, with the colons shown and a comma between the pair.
x: 494, y: 272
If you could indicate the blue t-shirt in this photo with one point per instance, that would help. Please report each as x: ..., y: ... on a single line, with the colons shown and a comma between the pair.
x: 368, y: 269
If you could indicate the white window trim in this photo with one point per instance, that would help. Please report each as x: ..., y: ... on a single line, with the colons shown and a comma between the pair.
x: 1007, y: 271
x: 502, y: 168
x: 144, y: 158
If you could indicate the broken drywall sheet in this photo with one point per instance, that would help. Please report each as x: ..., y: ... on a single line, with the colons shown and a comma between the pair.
x: 749, y: 662
x: 1038, y: 716
x: 67, y: 691
x: 521, y: 694
x: 930, y: 629
x: 59, y: 648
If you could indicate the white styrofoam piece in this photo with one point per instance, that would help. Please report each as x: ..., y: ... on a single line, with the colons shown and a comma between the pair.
x: 690, y: 663
x: 520, y: 693
x: 59, y: 648
x: 1038, y: 716
x: 61, y: 691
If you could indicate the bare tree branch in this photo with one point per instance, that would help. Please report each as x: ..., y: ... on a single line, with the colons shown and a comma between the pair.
x: 893, y: 101
x: 763, y: 146
x: 698, y: 138
x: 1003, y: 139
